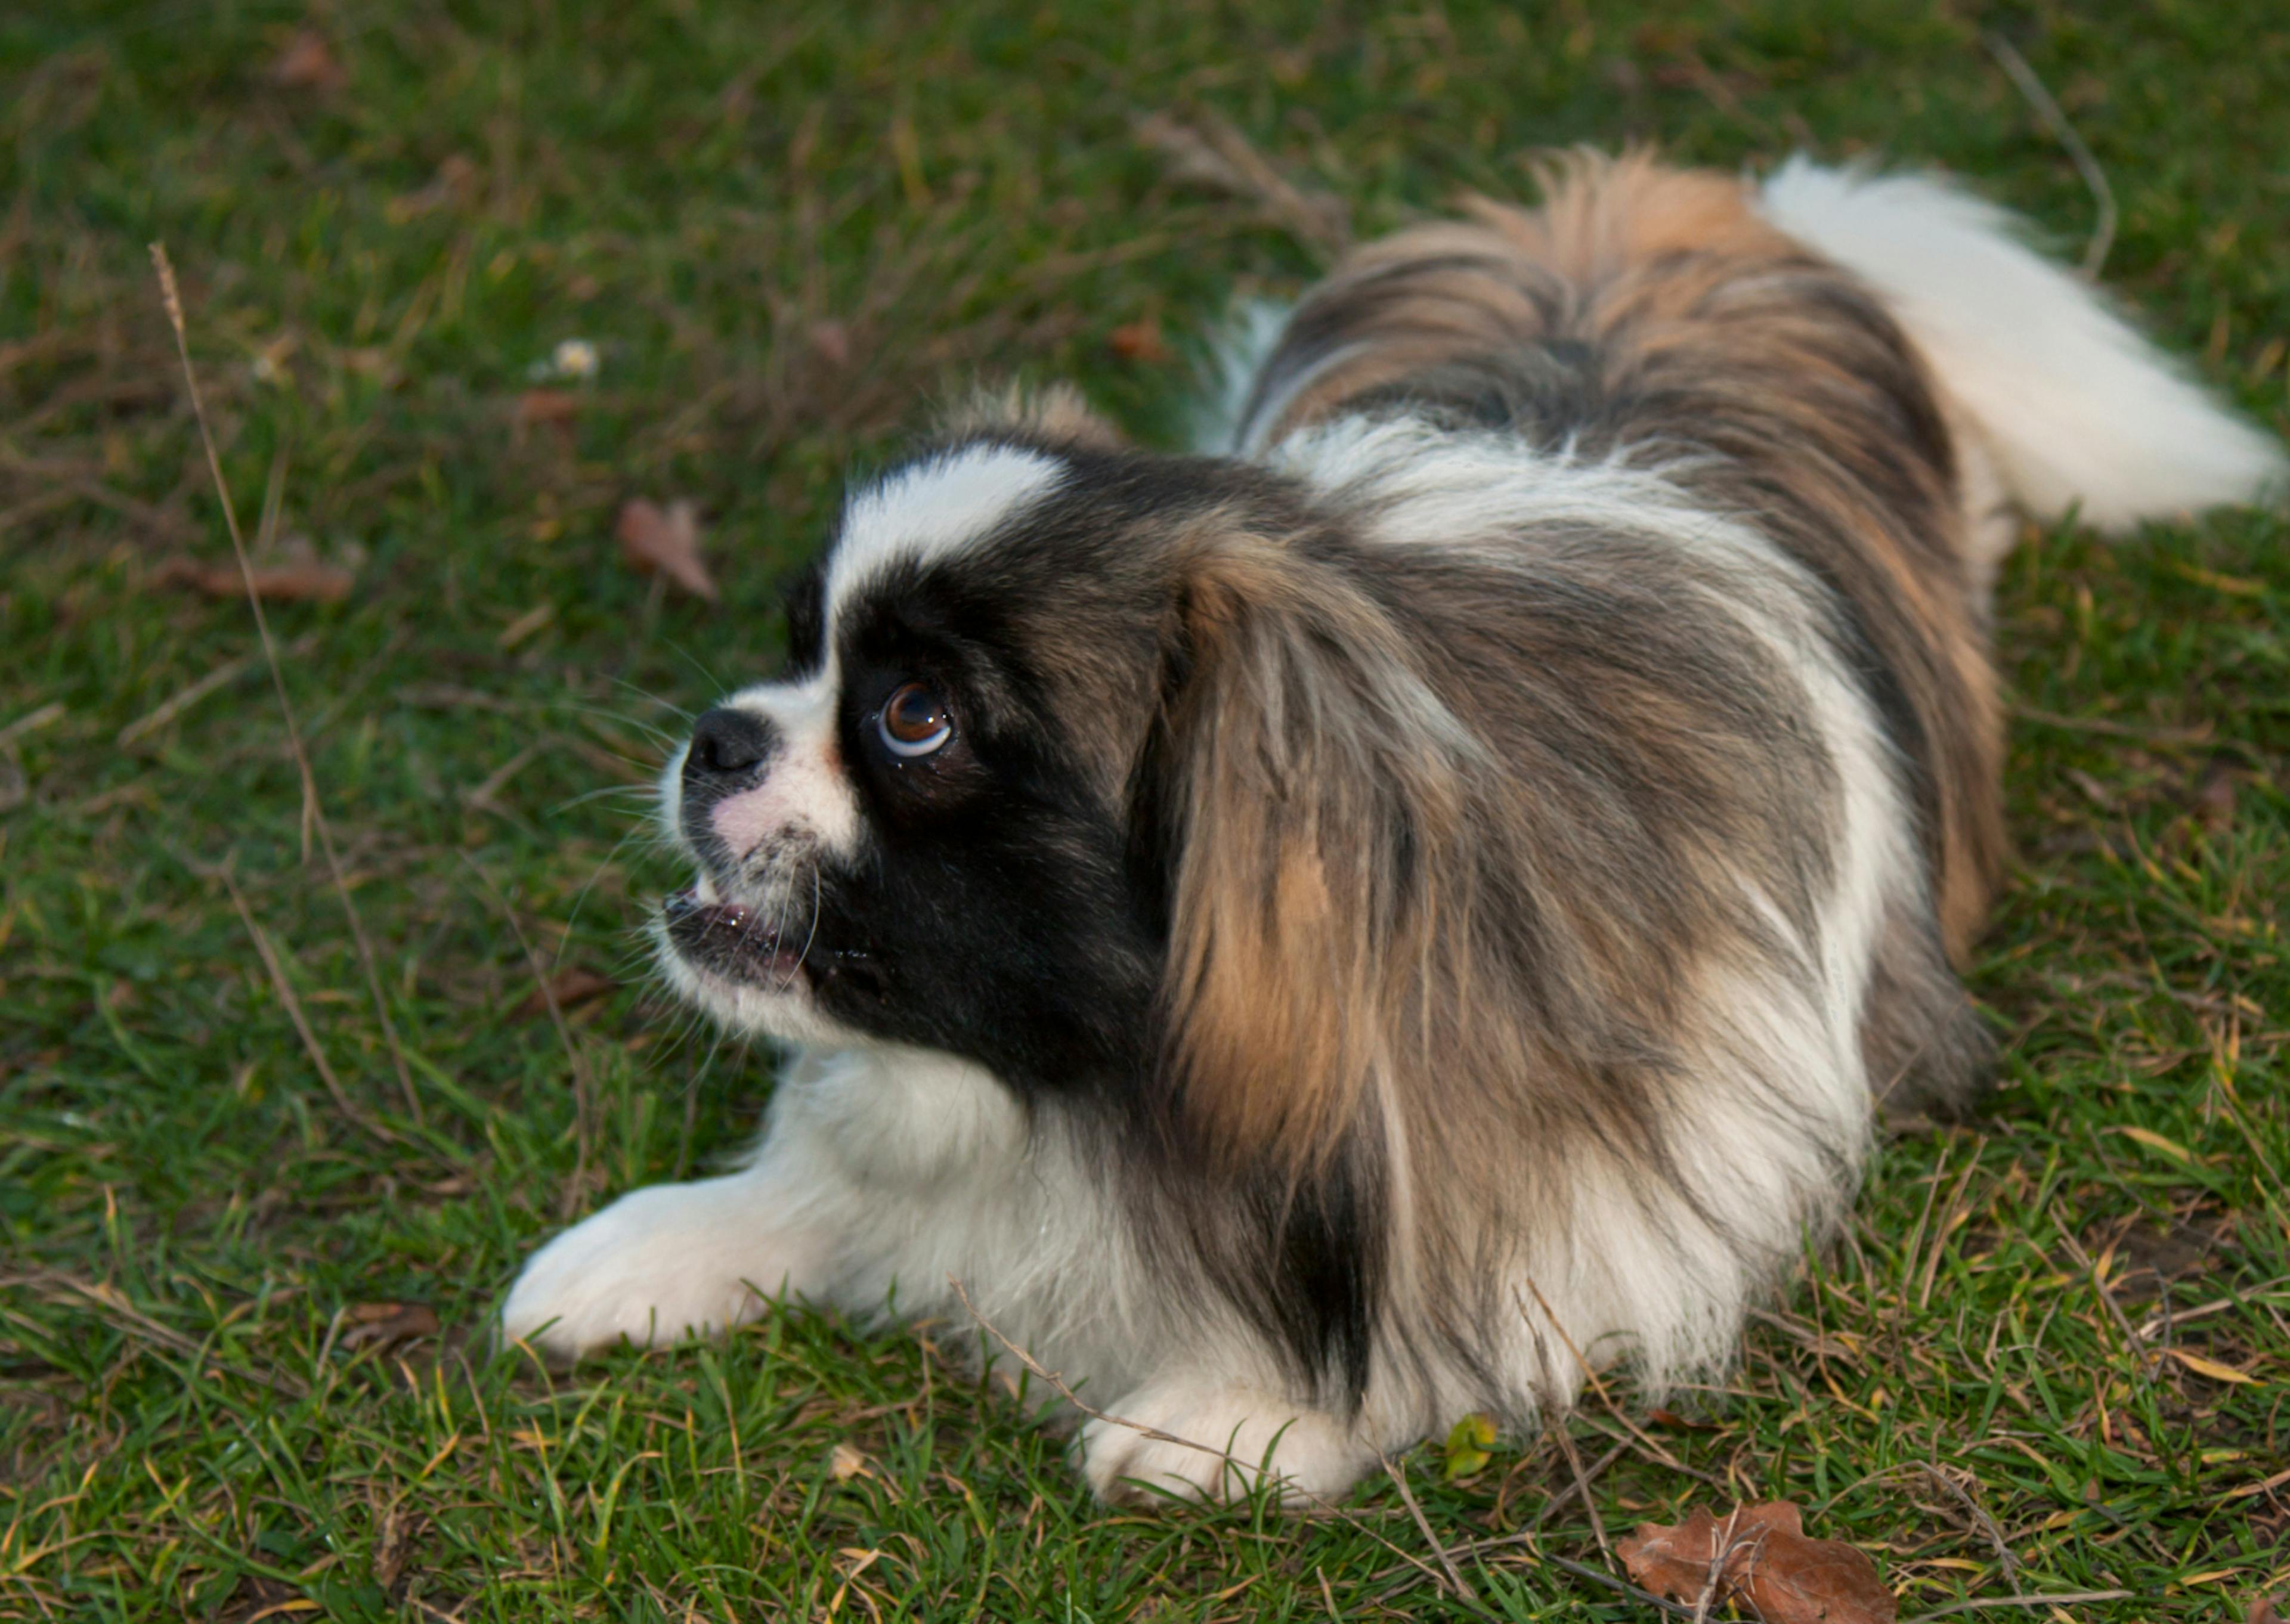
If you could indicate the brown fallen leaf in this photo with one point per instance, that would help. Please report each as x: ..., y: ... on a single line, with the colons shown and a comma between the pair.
x: 1140, y: 341
x: 381, y: 1325
x: 2214, y: 806
x: 571, y: 987
x: 666, y: 541
x: 2211, y: 1368
x: 1672, y: 1418
x: 547, y: 406
x: 307, y: 62
x: 453, y: 185
x: 394, y: 1543
x: 1761, y: 1556
x: 294, y: 574
x: 2263, y: 1610
x: 831, y: 340
x: 844, y: 1463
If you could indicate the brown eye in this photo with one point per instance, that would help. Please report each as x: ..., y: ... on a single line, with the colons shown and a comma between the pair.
x: 915, y: 721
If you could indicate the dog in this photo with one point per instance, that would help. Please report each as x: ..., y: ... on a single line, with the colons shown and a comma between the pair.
x: 1427, y: 899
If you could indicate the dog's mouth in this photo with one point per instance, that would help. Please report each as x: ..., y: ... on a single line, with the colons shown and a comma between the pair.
x: 732, y: 941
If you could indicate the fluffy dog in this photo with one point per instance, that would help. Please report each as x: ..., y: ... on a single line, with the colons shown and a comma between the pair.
x: 1354, y: 928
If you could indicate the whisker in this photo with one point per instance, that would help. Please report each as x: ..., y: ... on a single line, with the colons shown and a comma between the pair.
x: 796, y: 969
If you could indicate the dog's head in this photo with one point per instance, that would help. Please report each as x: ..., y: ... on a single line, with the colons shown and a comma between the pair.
x: 1086, y: 765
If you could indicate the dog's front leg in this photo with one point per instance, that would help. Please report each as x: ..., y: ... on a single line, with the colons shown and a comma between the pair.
x: 667, y: 1261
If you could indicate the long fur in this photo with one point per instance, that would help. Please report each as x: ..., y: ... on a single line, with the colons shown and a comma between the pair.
x: 1425, y: 902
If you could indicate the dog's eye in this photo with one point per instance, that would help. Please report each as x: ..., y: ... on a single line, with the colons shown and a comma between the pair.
x: 915, y: 721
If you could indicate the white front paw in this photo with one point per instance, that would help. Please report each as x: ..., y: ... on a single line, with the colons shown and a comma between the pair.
x: 656, y: 1265
x: 1234, y: 1436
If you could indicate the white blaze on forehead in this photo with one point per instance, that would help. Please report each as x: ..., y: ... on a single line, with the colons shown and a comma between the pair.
x: 806, y: 790
x: 924, y: 511
x: 933, y: 507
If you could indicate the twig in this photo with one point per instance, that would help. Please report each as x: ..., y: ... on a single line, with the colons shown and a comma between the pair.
x: 293, y: 1002
x: 1423, y: 1527
x: 2019, y: 1601
x: 1582, y: 1484
x: 1065, y: 1391
x: 1721, y: 1553
x: 312, y: 812
x: 2134, y: 1343
x: 1584, y: 1570
x: 1982, y: 1520
x: 2015, y: 66
x: 1607, y: 1399
x: 582, y: 1092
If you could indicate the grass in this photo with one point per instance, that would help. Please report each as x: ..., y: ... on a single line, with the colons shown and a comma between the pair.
x: 2050, y: 1358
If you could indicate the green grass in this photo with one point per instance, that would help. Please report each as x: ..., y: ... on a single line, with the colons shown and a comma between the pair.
x: 788, y: 230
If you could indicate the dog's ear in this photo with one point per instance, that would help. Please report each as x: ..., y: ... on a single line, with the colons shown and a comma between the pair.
x: 1057, y: 413
x: 1308, y: 780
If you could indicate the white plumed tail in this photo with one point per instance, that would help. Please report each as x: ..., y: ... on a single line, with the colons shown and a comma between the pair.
x: 1233, y: 354
x: 2073, y: 407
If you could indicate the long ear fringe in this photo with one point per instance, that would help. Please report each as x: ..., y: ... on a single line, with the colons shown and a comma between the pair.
x: 1318, y: 793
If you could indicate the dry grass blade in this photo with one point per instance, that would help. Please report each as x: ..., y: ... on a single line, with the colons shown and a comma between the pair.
x: 1980, y: 1603
x: 2134, y: 1343
x: 583, y: 1092
x: 313, y: 811
x: 151, y: 721
x: 1423, y: 1527
x: 287, y: 996
x: 1978, y: 1518
x: 1215, y: 154
x: 113, y: 1306
x: 2023, y: 77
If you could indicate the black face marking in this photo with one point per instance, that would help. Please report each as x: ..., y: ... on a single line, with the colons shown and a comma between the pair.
x: 804, y: 602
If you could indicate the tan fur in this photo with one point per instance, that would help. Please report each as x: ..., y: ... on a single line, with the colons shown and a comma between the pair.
x: 1661, y: 270
x: 1056, y: 412
x: 1305, y: 723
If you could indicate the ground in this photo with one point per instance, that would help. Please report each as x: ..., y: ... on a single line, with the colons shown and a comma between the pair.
x: 2049, y: 1359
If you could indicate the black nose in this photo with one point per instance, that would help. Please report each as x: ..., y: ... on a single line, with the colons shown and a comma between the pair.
x: 727, y: 747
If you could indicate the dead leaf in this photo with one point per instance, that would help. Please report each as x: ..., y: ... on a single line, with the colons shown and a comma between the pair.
x: 571, y: 987
x: 844, y: 1463
x: 2213, y: 807
x: 2264, y: 1611
x: 293, y: 574
x: 1670, y: 1418
x: 307, y: 62
x: 2211, y: 1368
x: 381, y: 1325
x: 666, y: 543
x: 2156, y: 1141
x: 832, y: 342
x: 1140, y: 341
x: 547, y: 406
x: 1761, y: 1556
x: 392, y: 1543
x: 453, y: 185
